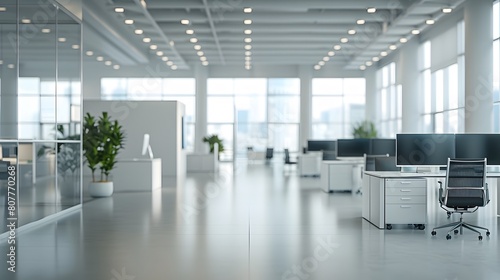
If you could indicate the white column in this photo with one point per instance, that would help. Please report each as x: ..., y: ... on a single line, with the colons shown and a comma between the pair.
x: 305, y: 131
x: 201, y: 75
x: 408, y: 69
x: 478, y: 18
x: 371, y: 100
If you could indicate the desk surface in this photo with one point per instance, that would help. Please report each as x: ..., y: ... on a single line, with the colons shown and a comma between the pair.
x: 396, y: 174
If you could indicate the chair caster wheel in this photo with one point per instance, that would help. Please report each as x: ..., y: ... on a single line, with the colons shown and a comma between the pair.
x: 480, y: 237
x: 449, y: 214
x: 433, y: 233
x: 389, y: 227
x: 455, y: 231
x: 487, y: 233
x: 421, y: 227
x: 448, y: 237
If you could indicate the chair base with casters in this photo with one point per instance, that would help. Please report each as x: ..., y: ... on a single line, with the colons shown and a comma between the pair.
x: 457, y: 227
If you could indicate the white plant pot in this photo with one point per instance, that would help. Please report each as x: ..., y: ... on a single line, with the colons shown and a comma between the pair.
x: 100, y: 189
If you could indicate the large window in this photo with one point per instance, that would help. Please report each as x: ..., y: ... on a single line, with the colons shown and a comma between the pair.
x: 178, y: 89
x: 390, y: 114
x: 259, y: 112
x: 496, y: 67
x: 337, y: 105
x: 443, y: 83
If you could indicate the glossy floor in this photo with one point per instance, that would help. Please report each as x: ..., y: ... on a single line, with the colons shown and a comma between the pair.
x: 254, y: 221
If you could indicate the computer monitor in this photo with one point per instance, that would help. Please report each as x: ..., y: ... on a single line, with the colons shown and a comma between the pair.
x: 386, y: 164
x: 478, y: 146
x: 146, y: 147
x: 383, y: 147
x: 321, y: 145
x: 424, y: 149
x: 353, y: 147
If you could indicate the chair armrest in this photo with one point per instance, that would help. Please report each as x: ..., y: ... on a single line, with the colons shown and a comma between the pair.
x: 487, y: 194
x: 440, y: 197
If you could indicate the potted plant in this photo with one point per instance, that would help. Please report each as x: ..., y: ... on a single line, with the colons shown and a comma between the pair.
x: 68, y: 166
x: 102, y: 140
x: 364, y: 129
x: 211, y: 140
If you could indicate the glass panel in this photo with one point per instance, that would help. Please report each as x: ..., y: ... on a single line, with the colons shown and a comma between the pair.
x: 186, y: 86
x: 324, y: 86
x: 496, y: 118
x: 68, y: 174
x: 439, y: 90
x: 220, y: 110
x: 250, y: 86
x: 250, y: 108
x: 496, y: 70
x: 496, y: 20
x: 144, y: 88
x: 355, y: 86
x: 439, y: 123
x: 284, y: 109
x: 113, y: 86
x: 251, y: 135
x: 453, y: 86
x: 327, y: 131
x: 220, y: 86
x: 327, y: 109
x: 225, y: 132
x: 284, y: 136
x: 7, y: 163
x: 427, y: 86
x: 189, y: 129
x: 284, y: 86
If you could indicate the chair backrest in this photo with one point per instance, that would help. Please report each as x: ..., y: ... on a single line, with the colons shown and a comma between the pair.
x: 370, y: 161
x: 269, y: 153
x: 465, y: 183
x: 386, y: 164
x: 287, y: 156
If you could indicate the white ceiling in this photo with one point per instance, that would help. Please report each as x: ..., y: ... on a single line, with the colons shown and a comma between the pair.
x: 284, y: 32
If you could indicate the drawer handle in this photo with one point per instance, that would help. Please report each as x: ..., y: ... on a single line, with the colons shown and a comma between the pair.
x: 405, y: 206
x: 405, y: 190
x: 405, y: 182
x: 406, y: 198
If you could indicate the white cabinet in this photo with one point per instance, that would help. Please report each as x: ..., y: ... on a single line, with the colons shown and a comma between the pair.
x: 309, y: 164
x: 340, y: 175
x: 388, y: 201
x: 137, y: 175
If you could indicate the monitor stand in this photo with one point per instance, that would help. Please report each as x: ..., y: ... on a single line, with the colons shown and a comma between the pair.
x: 428, y: 169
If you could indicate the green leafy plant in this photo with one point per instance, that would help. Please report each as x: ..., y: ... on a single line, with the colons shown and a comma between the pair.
x: 211, y: 140
x: 364, y: 129
x: 102, y: 140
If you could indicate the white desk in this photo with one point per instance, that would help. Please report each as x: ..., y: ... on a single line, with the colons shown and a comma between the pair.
x: 201, y: 162
x: 399, y: 198
x: 137, y: 175
x: 341, y: 175
x: 309, y: 164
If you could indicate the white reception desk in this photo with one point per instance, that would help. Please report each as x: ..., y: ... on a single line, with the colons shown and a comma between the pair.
x: 137, y: 175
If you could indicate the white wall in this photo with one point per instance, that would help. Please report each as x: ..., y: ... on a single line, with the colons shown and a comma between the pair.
x: 161, y: 119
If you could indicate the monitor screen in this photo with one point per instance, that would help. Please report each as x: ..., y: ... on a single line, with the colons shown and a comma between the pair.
x: 383, y: 147
x: 478, y: 146
x: 353, y: 147
x: 424, y: 149
x: 321, y: 145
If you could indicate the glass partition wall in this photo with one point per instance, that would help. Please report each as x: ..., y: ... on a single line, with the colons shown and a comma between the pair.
x: 40, y: 98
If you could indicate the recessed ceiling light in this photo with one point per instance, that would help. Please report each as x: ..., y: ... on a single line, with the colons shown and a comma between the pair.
x: 375, y: 58
x: 129, y: 21
x: 430, y: 21
x: 368, y: 63
x: 362, y: 67
x: 447, y: 10
x: 146, y: 40
x: 248, y: 67
x: 174, y: 67
x: 193, y: 40
x: 248, y: 40
x: 108, y: 63
x: 403, y: 40
x: 202, y: 58
x: 204, y: 63
x: 185, y: 21
x: 197, y: 47
x: 165, y: 58
x: 360, y: 21
x: 138, y: 31
x: 26, y: 20
x: 247, y: 21
x: 248, y: 47
x: 326, y: 58
x: 119, y: 10
x: 317, y: 67
x: 89, y: 53
x: 344, y: 40
x: 45, y: 30
x: 337, y: 47
x: 170, y: 63
x: 371, y: 10
x: 171, y: 43
x: 116, y: 67
x: 248, y: 58
x: 351, y: 31
x: 384, y: 53
x: 190, y: 32
x: 3, y: 9
x: 61, y: 39
x: 247, y: 53
x: 144, y: 4
x: 392, y: 47
x: 99, y: 58
x: 75, y: 47
x: 248, y: 63
x: 159, y: 53
x: 248, y: 31
x: 153, y: 47
x: 247, y: 10
x: 415, y: 32
x: 1, y: 62
x: 321, y: 63
x: 200, y: 53
x: 11, y: 66
x: 331, y: 53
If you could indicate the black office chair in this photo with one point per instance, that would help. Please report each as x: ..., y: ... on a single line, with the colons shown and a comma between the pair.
x: 269, y: 153
x: 465, y: 191
x: 288, y: 161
